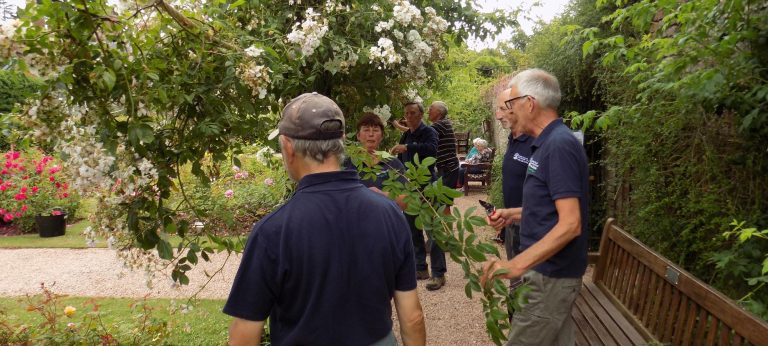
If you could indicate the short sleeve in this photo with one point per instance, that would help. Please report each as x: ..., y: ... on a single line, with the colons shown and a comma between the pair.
x: 255, y: 287
x: 564, y: 172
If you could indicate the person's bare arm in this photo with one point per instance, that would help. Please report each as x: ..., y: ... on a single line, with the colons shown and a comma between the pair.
x: 412, y: 328
x: 400, y: 200
x: 568, y: 227
x: 243, y: 332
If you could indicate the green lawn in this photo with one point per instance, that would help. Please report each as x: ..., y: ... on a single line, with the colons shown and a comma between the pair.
x: 73, y: 238
x: 204, y: 324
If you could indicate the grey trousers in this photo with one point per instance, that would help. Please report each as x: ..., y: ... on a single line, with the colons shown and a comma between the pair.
x: 546, y: 318
x: 388, y: 340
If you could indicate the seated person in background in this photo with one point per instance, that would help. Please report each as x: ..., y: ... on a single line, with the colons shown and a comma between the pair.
x: 483, y: 155
x: 370, y: 132
x: 472, y: 152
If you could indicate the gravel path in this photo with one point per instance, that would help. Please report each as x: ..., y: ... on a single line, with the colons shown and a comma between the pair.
x: 452, y: 318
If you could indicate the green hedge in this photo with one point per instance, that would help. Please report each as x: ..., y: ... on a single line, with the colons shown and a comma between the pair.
x: 15, y: 88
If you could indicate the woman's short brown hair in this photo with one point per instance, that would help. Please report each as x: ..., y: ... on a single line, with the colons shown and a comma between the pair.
x: 370, y: 119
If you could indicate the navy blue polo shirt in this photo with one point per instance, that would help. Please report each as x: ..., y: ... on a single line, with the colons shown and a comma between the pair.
x: 382, y: 169
x: 324, y: 266
x: 423, y: 141
x: 513, y: 170
x: 557, y: 169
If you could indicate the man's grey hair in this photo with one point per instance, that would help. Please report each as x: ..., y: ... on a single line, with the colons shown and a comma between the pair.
x: 418, y: 104
x: 441, y: 107
x: 319, y: 150
x: 540, y: 84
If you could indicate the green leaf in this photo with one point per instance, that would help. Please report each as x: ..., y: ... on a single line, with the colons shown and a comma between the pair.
x: 140, y: 133
x: 192, y: 257
x: 474, y: 254
x: 109, y: 79
x: 164, y: 249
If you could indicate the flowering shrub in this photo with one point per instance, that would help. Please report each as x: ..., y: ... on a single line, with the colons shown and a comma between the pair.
x: 239, y: 197
x: 32, y: 184
x: 68, y: 326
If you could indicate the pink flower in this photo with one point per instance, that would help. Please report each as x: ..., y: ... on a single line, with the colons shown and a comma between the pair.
x: 56, y: 212
x: 54, y: 170
x: 51, y: 179
x: 23, y: 189
x: 229, y: 193
x: 269, y: 182
x: 34, y: 189
x: 24, y: 208
x: 20, y: 197
x: 8, y: 217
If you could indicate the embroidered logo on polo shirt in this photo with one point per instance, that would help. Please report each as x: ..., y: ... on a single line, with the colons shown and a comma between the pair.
x: 532, y: 166
x: 520, y: 158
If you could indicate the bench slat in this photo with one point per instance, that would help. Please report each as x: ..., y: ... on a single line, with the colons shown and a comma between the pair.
x: 595, y: 323
x: 680, y: 322
x: 701, y: 327
x: 737, y: 340
x: 661, y: 316
x: 629, y: 335
x: 712, y: 331
x: 604, y: 319
x: 672, y: 314
x: 580, y: 338
x: 642, y: 297
x: 582, y: 325
x: 689, y: 325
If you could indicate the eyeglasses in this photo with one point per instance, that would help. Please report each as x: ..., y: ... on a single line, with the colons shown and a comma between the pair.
x: 511, y: 101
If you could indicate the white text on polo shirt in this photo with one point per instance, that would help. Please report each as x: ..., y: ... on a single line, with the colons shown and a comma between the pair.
x: 520, y: 158
x: 532, y: 166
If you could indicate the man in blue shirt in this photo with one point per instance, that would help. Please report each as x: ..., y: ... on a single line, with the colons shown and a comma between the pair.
x: 553, y: 230
x: 513, y: 170
x: 325, y: 266
x: 421, y: 140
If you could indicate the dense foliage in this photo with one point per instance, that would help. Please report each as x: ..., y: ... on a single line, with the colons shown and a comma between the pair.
x: 679, y: 91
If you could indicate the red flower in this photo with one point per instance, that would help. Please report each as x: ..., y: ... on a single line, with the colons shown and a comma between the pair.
x: 24, y: 208
x: 20, y: 197
x: 34, y: 189
x: 51, y: 179
x: 64, y: 195
x: 23, y: 189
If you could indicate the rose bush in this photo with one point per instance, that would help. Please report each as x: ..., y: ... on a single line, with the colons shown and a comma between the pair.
x: 238, y: 196
x: 32, y: 184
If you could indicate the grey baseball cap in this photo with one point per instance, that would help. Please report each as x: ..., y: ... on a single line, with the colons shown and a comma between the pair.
x: 312, y: 116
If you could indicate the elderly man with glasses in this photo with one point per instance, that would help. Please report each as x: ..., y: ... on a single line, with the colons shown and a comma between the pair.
x: 553, y: 218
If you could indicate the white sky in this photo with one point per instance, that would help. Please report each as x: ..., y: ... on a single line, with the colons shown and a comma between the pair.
x: 546, y: 11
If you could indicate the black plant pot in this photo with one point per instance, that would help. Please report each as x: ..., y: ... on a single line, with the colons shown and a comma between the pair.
x: 51, y: 225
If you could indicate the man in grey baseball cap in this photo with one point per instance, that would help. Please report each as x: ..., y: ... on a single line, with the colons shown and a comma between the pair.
x: 325, y: 266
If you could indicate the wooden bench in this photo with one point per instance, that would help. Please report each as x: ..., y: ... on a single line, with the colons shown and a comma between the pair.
x: 481, y: 176
x: 637, y: 297
x: 462, y: 144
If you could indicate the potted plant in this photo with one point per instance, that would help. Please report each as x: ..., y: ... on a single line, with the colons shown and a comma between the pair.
x: 33, y: 193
